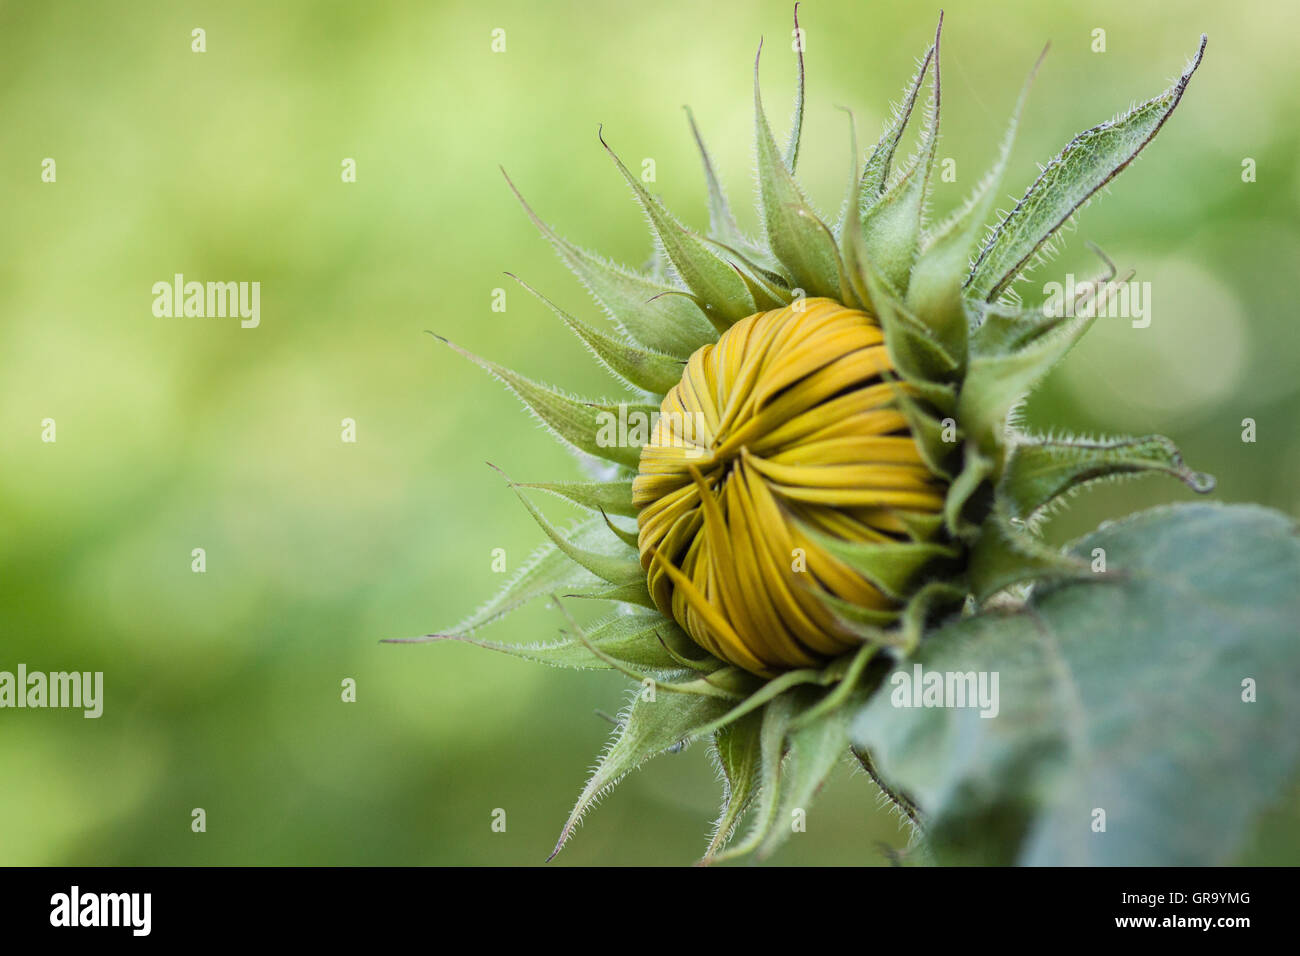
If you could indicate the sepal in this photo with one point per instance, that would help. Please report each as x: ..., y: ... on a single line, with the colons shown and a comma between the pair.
x: 1091, y: 160
x: 673, y: 325
x: 1042, y: 471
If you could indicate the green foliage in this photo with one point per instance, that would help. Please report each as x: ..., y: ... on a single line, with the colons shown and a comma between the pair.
x: 1089, y: 162
x: 646, y: 310
x: 578, y: 423
x: 795, y: 234
x: 1126, y: 694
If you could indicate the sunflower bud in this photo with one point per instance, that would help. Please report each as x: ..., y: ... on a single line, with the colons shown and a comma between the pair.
x: 829, y: 477
x: 786, y: 428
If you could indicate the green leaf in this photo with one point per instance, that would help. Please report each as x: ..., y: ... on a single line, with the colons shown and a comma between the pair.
x: 767, y: 295
x: 738, y: 754
x: 639, y: 639
x: 934, y: 289
x: 1007, y: 553
x: 583, y: 424
x: 1123, y: 694
x: 627, y: 535
x: 635, y: 593
x: 612, y: 497
x: 931, y: 602
x: 713, y: 281
x: 643, y: 639
x: 671, y: 324
x: 1001, y: 329
x: 722, y: 224
x: 770, y: 690
x: 615, y: 563
x: 642, y: 368
x: 996, y: 383
x: 965, y: 495
x: 797, y: 236
x: 867, y: 622
x: 547, y: 571
x: 796, y: 123
x: 917, y: 353
x: 768, y: 289
x: 875, y: 173
x: 892, y: 227
x: 777, y: 716
x: 853, y: 250
x: 1042, y: 471
x: 1091, y: 160
x: 646, y: 729
x: 815, y: 749
x: 892, y: 567
x: 716, y: 679
x: 850, y: 669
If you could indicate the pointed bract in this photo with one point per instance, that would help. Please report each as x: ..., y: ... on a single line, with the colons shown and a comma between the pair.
x: 1090, y: 161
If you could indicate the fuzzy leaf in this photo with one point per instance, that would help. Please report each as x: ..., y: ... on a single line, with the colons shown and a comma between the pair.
x: 547, y: 571
x: 1007, y: 554
x: 712, y: 280
x: 671, y: 324
x: 968, y: 493
x: 932, y: 601
x: 796, y: 235
x: 777, y: 716
x: 722, y: 224
x: 612, y: 497
x: 1040, y: 471
x: 1090, y: 161
x: 638, y: 639
x: 643, y: 639
x: 1125, y: 694
x: 917, y: 353
x: 635, y: 593
x: 892, y: 227
x: 738, y: 753
x: 1001, y: 329
x: 875, y: 173
x: 853, y: 251
x: 620, y: 567
x: 996, y: 383
x: 766, y: 294
x: 934, y: 290
x: 815, y: 749
x: 579, y: 423
x: 892, y: 567
x: 647, y: 729
x: 627, y: 536
x: 772, y: 689
x: 796, y: 122
x: 768, y: 289
x: 637, y: 366
x: 867, y: 622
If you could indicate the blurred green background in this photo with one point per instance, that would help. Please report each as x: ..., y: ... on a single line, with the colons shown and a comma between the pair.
x: 223, y: 688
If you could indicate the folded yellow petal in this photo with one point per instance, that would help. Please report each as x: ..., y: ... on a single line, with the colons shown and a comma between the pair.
x: 791, y: 420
